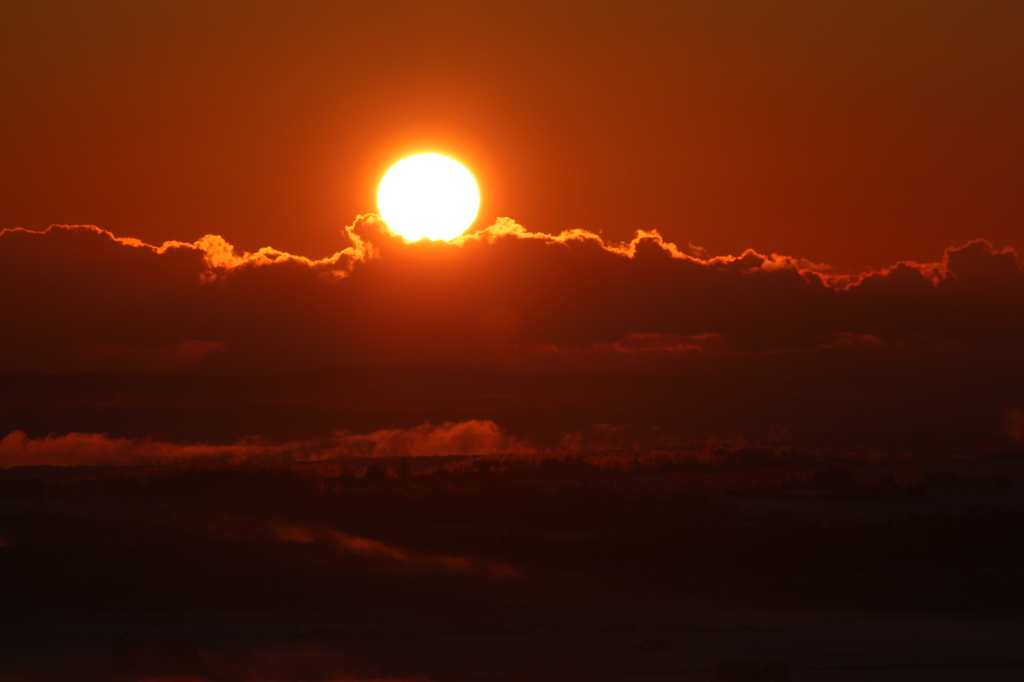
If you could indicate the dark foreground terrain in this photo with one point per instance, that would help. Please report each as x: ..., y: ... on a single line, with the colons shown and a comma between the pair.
x: 741, y: 562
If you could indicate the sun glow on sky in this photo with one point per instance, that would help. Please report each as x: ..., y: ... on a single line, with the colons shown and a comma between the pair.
x: 428, y: 196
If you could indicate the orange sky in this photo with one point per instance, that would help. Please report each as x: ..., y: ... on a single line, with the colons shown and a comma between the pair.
x: 855, y: 134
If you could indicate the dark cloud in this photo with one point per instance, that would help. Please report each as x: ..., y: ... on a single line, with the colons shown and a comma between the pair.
x: 79, y: 298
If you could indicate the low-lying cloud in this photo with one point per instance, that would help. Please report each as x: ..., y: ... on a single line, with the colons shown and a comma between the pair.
x: 78, y: 298
x: 473, y: 437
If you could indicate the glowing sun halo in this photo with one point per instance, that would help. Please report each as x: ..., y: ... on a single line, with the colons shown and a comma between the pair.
x: 428, y: 196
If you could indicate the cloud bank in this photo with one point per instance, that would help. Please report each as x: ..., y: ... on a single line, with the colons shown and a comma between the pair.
x: 473, y: 437
x: 78, y: 298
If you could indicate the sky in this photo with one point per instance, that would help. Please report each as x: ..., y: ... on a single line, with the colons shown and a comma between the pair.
x: 852, y: 134
x: 741, y: 217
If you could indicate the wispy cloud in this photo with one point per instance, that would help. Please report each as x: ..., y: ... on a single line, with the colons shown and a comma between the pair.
x: 391, y: 555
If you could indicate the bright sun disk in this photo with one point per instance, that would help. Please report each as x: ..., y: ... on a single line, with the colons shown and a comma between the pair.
x: 428, y: 196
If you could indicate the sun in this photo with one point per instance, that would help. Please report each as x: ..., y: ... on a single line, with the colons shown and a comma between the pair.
x: 428, y: 196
